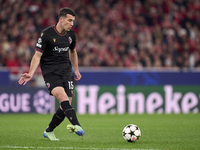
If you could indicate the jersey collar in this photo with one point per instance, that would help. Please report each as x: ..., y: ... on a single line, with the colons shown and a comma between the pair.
x: 61, y: 34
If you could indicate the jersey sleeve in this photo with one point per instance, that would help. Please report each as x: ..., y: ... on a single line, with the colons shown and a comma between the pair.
x: 41, y: 43
x: 73, y: 43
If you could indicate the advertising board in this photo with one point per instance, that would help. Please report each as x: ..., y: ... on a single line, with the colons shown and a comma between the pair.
x: 26, y: 100
x: 121, y: 99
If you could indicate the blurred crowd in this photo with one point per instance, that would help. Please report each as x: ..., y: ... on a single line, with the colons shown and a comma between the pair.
x: 114, y: 33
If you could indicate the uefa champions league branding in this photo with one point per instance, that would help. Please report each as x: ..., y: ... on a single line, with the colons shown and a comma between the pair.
x: 29, y: 100
x: 42, y: 102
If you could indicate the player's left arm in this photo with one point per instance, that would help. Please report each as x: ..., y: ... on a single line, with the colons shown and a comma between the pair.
x: 74, y: 60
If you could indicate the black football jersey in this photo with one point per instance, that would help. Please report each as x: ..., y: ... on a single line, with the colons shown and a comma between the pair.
x: 55, y: 48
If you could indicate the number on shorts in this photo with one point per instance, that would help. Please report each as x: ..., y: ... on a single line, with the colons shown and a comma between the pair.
x: 71, y: 86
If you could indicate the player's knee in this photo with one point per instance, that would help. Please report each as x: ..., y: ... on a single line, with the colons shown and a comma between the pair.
x: 62, y: 97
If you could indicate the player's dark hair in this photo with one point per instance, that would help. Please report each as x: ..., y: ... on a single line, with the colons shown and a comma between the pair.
x: 64, y: 11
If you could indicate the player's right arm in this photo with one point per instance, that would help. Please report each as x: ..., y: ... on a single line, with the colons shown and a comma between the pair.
x: 40, y: 47
x: 34, y: 64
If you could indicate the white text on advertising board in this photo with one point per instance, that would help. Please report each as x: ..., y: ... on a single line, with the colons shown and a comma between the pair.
x: 90, y: 101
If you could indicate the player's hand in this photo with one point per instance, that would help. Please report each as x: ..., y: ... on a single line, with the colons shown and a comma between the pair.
x: 24, y: 78
x: 77, y: 75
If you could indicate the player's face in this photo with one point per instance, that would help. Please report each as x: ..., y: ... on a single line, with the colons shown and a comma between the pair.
x: 68, y: 22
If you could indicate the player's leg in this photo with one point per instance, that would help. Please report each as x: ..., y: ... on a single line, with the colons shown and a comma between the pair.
x: 64, y: 100
x: 75, y: 128
x: 51, y: 81
x: 57, y: 118
x: 55, y: 86
x: 68, y: 81
x: 68, y: 110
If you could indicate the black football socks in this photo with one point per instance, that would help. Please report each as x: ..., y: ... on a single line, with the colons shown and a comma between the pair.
x: 69, y: 112
x: 58, y: 117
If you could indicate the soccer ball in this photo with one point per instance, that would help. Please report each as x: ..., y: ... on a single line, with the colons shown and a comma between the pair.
x: 131, y: 133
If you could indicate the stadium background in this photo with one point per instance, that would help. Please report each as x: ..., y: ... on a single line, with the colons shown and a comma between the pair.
x: 136, y: 56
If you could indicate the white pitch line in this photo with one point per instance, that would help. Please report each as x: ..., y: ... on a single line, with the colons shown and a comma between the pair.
x: 33, y: 147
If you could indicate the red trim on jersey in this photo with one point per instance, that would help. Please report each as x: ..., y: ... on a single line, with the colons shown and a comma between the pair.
x: 73, y: 49
x: 59, y: 32
x: 39, y: 50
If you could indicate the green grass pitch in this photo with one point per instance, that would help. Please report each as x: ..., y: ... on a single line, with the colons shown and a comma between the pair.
x: 102, y: 132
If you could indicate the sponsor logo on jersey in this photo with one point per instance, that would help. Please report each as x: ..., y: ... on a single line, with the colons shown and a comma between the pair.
x: 39, y: 45
x: 39, y: 40
x: 60, y: 49
x: 70, y: 40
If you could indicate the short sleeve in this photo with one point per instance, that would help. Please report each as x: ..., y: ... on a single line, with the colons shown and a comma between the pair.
x: 41, y: 43
x: 73, y: 43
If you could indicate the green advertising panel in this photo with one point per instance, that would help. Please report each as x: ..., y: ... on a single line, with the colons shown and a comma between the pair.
x: 121, y: 99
